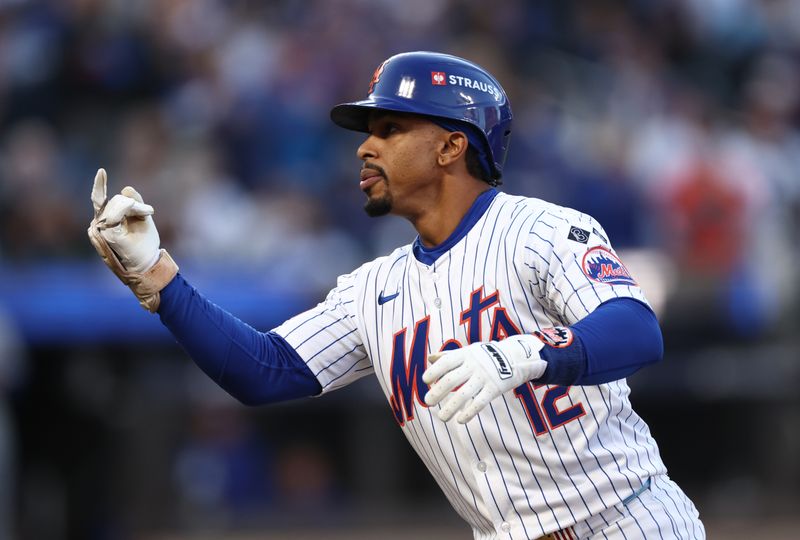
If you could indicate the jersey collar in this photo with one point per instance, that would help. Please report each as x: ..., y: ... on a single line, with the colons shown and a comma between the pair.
x: 430, y: 255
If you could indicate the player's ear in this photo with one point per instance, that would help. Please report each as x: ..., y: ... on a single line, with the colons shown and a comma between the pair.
x: 453, y: 147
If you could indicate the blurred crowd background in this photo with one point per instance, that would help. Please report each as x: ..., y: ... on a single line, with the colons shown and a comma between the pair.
x: 676, y: 123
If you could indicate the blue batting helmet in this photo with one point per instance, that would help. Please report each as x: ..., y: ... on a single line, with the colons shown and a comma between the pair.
x: 443, y: 87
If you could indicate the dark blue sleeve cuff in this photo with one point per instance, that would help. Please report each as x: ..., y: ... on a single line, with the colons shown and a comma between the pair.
x: 565, y: 365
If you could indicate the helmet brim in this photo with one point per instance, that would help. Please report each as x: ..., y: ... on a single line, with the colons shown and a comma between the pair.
x: 352, y: 116
x: 355, y: 116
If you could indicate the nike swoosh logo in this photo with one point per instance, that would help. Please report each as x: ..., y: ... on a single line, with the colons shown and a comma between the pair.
x: 383, y: 299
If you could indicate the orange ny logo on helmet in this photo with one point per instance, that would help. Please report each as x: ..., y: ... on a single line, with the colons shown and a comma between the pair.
x: 376, y: 76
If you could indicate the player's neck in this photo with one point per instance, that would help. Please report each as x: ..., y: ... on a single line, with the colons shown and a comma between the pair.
x: 446, y: 209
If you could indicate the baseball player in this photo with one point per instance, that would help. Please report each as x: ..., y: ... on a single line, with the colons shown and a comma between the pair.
x: 501, y: 336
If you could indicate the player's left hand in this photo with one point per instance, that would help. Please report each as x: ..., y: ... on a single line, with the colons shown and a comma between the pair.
x: 465, y: 380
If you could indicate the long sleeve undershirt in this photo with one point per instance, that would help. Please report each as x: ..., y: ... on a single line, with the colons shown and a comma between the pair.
x: 255, y: 367
x: 612, y: 342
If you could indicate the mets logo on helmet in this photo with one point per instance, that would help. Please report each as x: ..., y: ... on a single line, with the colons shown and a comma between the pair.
x: 376, y: 76
x: 603, y: 266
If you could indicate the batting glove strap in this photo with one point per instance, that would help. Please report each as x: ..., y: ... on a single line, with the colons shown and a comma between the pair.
x: 146, y: 285
x: 465, y: 380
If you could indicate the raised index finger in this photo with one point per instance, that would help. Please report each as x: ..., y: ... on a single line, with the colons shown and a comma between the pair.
x: 99, y: 189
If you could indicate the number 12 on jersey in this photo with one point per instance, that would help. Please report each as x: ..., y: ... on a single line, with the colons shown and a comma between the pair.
x: 545, y: 415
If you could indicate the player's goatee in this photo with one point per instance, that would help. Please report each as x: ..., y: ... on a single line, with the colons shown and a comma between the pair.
x: 378, y: 206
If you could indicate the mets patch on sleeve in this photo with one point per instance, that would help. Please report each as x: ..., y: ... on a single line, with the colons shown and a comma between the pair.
x: 603, y: 266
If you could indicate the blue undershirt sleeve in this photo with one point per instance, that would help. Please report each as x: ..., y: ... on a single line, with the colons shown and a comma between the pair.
x: 254, y: 367
x: 612, y: 342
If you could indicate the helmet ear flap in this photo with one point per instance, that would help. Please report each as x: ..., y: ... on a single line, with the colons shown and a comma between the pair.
x: 442, y: 87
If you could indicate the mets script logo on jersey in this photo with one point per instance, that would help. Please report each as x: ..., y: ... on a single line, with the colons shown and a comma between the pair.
x: 558, y: 337
x: 544, y: 411
x: 407, y: 368
x: 601, y: 265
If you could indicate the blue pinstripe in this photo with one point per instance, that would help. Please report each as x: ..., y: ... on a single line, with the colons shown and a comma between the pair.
x: 513, y: 464
x: 331, y: 344
x: 477, y: 457
x: 500, y: 469
x: 446, y: 428
x: 342, y: 374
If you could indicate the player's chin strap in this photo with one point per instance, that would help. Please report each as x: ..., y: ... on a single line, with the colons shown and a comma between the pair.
x: 146, y: 285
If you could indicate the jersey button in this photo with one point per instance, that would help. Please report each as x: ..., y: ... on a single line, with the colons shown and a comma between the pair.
x: 482, y: 466
x: 505, y: 526
x: 438, y: 303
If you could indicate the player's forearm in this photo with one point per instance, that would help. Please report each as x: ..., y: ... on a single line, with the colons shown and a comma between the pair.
x: 254, y: 367
x: 611, y: 343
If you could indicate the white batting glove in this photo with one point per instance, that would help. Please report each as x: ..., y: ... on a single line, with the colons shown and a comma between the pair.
x: 124, y: 235
x: 125, y: 222
x: 465, y: 380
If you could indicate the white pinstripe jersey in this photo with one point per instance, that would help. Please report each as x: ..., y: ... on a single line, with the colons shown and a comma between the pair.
x: 540, y: 458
